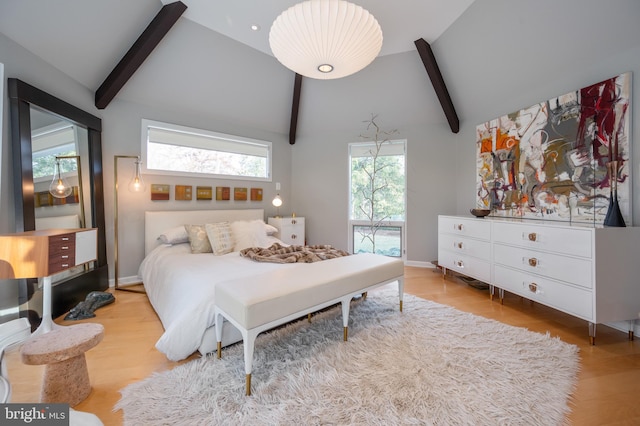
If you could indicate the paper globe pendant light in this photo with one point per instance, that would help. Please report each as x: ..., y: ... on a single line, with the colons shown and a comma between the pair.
x: 325, y: 39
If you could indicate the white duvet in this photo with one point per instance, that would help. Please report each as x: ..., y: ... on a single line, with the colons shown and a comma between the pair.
x: 180, y: 286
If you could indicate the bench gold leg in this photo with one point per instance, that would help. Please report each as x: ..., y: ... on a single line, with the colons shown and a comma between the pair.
x: 346, y: 333
x: 248, y: 385
x: 309, y: 317
x: 401, y: 306
x: 219, y: 350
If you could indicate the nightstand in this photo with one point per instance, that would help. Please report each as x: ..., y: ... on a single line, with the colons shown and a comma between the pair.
x: 290, y: 229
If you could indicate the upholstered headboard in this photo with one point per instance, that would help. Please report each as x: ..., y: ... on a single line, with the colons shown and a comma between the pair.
x: 156, y: 222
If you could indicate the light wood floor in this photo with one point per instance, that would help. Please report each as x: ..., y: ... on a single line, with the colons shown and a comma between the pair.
x: 606, y: 394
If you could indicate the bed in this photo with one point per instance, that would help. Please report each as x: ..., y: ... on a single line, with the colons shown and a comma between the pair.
x: 180, y: 284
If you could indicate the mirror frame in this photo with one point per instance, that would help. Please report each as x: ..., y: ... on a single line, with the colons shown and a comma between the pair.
x: 66, y: 294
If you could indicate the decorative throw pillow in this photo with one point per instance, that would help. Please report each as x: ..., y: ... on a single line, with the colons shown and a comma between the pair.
x: 175, y: 235
x: 270, y: 229
x: 248, y: 234
x: 198, y: 239
x: 220, y: 237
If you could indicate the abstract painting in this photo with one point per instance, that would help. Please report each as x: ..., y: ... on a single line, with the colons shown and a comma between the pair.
x: 552, y: 160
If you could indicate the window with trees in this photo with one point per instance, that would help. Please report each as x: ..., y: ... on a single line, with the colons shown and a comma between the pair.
x: 377, y: 195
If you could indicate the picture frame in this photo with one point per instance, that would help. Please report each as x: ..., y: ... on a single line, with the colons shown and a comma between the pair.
x: 240, y: 194
x: 184, y: 192
x: 204, y: 192
x: 256, y: 194
x: 223, y: 193
x: 160, y: 192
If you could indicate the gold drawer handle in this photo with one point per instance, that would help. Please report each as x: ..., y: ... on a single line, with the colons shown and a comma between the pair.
x: 65, y: 238
x: 533, y: 262
x: 65, y: 265
x: 458, y: 245
x: 294, y: 236
x: 533, y: 287
x: 533, y: 236
x: 459, y: 264
x: 293, y: 221
x: 65, y: 247
x: 459, y: 227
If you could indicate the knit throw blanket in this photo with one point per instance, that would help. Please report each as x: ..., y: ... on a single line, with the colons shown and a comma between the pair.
x: 277, y: 253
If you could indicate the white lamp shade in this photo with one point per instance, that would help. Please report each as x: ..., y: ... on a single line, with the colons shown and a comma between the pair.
x: 277, y: 201
x: 334, y: 35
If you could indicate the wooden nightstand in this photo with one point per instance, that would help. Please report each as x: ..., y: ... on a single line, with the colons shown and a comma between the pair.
x: 290, y: 229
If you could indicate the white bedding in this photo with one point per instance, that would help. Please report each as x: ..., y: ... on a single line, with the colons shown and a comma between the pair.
x: 180, y: 286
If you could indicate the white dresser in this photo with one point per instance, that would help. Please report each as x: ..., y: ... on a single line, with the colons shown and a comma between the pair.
x: 591, y: 273
x: 290, y: 229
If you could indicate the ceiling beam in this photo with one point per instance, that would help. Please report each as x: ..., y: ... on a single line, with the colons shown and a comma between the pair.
x: 430, y: 64
x: 295, y: 106
x: 144, y: 45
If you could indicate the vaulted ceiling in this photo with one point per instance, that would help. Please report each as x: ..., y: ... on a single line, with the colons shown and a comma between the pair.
x: 86, y: 39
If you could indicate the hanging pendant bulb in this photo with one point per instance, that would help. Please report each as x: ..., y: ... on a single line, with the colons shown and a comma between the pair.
x: 137, y: 184
x: 59, y: 186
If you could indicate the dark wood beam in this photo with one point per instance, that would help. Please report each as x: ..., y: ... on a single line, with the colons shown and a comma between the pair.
x: 295, y: 106
x: 144, y: 45
x: 430, y: 64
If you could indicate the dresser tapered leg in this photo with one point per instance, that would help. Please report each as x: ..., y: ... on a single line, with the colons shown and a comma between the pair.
x: 592, y: 333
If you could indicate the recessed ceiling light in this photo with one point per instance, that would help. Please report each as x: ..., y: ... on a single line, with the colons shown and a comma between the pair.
x: 255, y: 27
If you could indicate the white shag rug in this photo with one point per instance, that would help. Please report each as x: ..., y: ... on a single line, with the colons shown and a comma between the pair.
x: 429, y: 365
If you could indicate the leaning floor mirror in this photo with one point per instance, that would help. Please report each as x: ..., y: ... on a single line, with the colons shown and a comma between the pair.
x: 57, y: 155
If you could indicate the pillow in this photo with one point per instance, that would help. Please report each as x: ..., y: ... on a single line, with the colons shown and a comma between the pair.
x: 175, y: 235
x: 248, y: 234
x: 198, y: 239
x: 270, y: 229
x: 220, y: 237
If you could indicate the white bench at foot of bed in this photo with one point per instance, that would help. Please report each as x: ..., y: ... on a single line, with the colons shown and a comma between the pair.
x: 299, y: 289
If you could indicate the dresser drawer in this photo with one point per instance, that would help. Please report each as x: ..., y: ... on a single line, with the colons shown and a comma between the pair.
x: 572, y: 241
x: 465, y: 246
x: 465, y: 265
x: 62, y: 243
x: 572, y: 300
x: 564, y: 268
x: 474, y: 228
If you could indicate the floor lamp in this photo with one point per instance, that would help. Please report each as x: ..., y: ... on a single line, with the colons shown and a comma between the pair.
x: 136, y: 185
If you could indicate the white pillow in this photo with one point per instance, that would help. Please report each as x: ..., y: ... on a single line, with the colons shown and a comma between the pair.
x: 270, y: 229
x: 175, y: 235
x: 198, y: 239
x: 248, y: 234
x: 220, y: 237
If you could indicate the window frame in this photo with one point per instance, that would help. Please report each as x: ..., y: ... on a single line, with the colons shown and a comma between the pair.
x: 353, y: 223
x: 146, y: 124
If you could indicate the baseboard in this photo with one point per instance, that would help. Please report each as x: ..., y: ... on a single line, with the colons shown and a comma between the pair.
x: 125, y: 281
x: 419, y: 264
x: 622, y: 326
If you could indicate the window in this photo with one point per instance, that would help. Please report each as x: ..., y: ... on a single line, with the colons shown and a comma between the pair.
x: 377, y: 197
x: 185, y: 151
x: 48, y: 143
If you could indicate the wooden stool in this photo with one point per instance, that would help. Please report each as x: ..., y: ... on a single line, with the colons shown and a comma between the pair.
x: 66, y: 379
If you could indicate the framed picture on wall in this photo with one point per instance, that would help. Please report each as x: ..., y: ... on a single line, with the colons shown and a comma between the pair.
x: 160, y: 192
x: 223, y: 193
x: 256, y: 194
x: 184, y: 192
x: 240, y: 194
x: 204, y: 193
